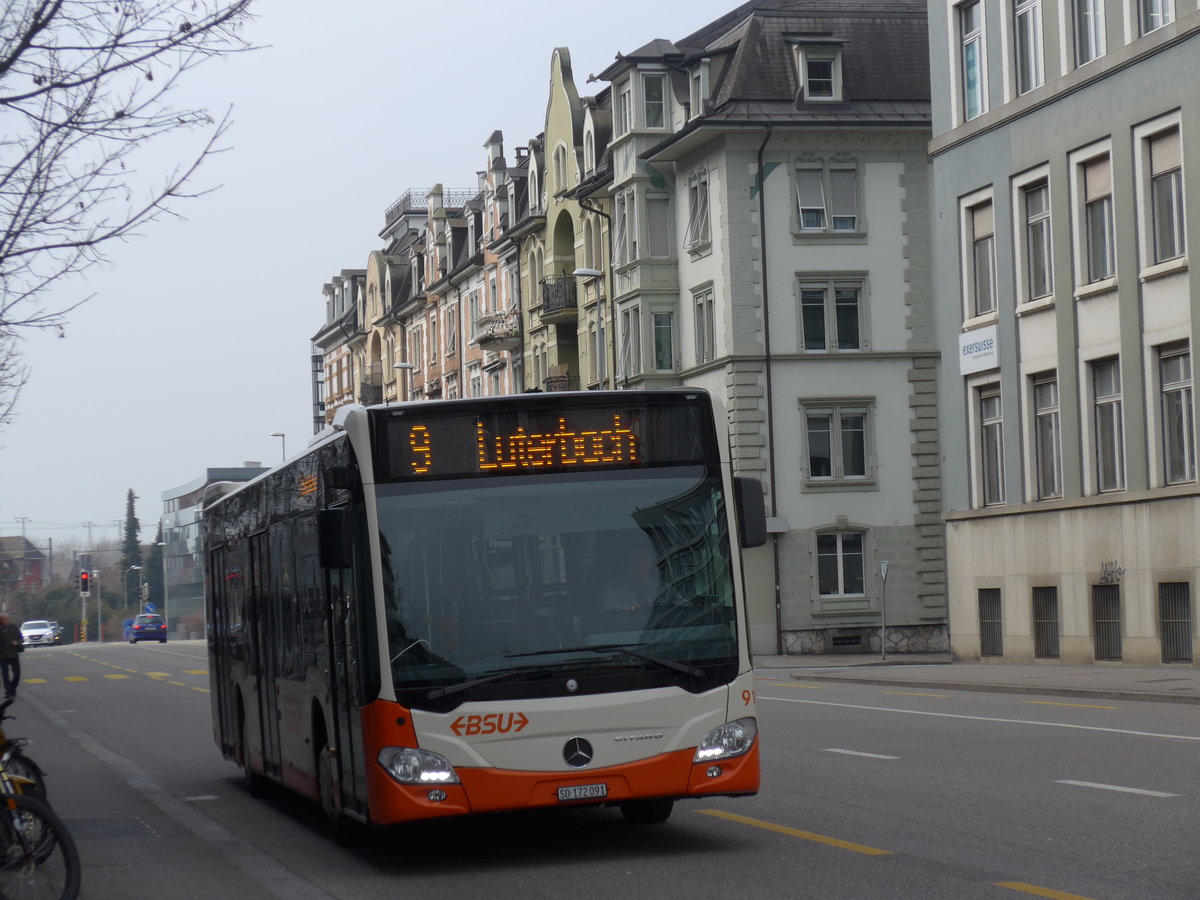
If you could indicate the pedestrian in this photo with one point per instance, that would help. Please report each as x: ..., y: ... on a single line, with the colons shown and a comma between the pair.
x: 12, y: 645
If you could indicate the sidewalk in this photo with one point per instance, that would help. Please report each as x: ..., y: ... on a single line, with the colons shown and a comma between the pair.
x: 1163, y: 684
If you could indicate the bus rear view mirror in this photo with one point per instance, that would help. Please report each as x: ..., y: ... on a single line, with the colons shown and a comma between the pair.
x: 335, y: 549
x: 752, y: 512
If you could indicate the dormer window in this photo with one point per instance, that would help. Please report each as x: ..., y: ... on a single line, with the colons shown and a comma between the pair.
x: 819, y: 72
x: 698, y: 92
x: 624, y: 109
x: 654, y: 100
x: 589, y: 152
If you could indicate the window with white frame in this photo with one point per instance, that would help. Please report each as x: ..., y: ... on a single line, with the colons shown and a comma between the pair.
x: 535, y: 193
x: 1166, y: 195
x: 698, y: 93
x: 704, y: 324
x: 1108, y: 425
x: 560, y: 168
x: 1154, y: 14
x: 631, y: 341
x: 819, y: 72
x: 589, y: 152
x: 654, y: 99
x: 1027, y: 44
x: 1037, y: 258
x: 451, y: 330
x: 658, y: 227
x: 624, y: 240
x: 664, y: 342
x: 827, y: 197
x: 1178, y: 421
x: 1047, y: 449
x: 981, y: 262
x: 838, y: 440
x: 971, y: 73
x: 473, y: 312
x: 831, y: 313
x: 416, y: 346
x: 624, y: 108
x: 433, y: 339
x: 1088, y: 29
x: 840, y: 564
x: 1098, y: 229
x: 476, y: 381
x: 991, y: 445
x: 698, y: 233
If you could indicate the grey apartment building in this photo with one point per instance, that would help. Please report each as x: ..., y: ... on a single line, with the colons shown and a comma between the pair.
x: 1064, y: 150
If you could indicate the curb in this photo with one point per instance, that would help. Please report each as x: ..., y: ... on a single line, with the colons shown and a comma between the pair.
x: 1094, y: 693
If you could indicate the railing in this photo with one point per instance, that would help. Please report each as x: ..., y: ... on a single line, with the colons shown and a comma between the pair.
x: 561, y: 383
x: 413, y: 198
x: 558, y: 294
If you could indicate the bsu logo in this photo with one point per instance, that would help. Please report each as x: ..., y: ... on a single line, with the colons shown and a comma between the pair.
x: 492, y: 723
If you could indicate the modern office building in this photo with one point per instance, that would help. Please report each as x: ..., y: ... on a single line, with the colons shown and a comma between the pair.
x: 1064, y: 139
x: 183, y: 553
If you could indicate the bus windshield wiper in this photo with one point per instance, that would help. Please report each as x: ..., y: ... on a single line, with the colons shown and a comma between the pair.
x: 619, y: 648
x: 447, y: 690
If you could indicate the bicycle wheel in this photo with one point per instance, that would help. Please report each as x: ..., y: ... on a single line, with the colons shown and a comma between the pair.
x: 17, y: 763
x: 38, y: 857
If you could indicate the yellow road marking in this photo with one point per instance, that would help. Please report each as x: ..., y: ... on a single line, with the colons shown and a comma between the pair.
x: 796, y: 832
x: 35, y: 680
x: 75, y: 678
x: 1080, y: 705
x: 792, y: 684
x: 1039, y: 891
x: 913, y: 694
x: 201, y: 690
x: 115, y: 677
x: 177, y: 683
x: 195, y: 671
x: 157, y: 674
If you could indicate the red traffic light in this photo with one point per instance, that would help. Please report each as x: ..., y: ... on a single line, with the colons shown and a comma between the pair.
x: 84, y: 582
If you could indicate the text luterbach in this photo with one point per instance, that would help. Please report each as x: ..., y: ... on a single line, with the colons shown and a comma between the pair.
x: 522, y: 450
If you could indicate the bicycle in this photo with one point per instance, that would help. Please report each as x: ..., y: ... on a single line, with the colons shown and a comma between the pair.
x: 14, y: 761
x: 38, y: 856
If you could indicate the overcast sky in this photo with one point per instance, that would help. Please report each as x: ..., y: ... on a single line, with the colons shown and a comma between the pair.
x: 195, y: 347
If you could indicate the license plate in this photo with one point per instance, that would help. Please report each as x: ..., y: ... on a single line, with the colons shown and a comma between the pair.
x: 583, y: 792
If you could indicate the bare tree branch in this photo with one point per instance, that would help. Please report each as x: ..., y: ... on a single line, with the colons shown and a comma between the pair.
x: 85, y: 89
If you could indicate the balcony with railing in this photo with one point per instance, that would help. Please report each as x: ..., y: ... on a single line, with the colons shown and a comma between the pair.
x: 559, y: 299
x: 561, y: 383
x: 499, y: 331
x: 370, y: 389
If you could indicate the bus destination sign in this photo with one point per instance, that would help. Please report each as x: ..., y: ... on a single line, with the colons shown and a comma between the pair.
x: 523, y: 441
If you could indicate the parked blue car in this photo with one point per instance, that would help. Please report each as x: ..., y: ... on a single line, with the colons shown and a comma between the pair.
x: 148, y: 627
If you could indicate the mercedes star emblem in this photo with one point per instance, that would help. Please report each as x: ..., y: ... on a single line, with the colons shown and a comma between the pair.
x: 577, y: 752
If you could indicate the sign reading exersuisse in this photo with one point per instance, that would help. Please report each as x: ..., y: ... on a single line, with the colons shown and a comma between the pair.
x: 543, y: 436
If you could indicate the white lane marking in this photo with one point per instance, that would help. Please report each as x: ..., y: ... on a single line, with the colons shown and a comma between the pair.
x: 941, y: 715
x: 1116, y: 787
x: 859, y: 753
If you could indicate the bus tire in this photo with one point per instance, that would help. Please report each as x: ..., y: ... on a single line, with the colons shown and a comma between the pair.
x: 346, y: 832
x: 256, y: 785
x: 647, y: 812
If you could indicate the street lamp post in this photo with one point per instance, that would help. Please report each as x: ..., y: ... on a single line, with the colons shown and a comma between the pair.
x: 282, y: 443
x: 127, y: 571
x: 405, y: 382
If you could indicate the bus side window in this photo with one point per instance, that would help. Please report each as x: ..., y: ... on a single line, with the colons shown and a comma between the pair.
x: 335, y: 538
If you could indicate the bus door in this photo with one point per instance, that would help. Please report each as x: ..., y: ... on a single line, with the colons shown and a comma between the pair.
x: 347, y: 721
x: 263, y: 625
x: 216, y: 600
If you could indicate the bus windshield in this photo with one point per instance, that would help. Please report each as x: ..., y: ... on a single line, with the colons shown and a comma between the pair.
x: 538, y: 585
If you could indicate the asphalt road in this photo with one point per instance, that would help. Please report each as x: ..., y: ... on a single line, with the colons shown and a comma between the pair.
x: 869, y: 791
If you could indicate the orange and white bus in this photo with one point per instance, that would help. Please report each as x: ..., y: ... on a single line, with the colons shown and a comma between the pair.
x: 447, y: 608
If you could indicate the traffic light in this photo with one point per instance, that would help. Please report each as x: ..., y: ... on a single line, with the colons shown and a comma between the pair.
x: 85, y: 578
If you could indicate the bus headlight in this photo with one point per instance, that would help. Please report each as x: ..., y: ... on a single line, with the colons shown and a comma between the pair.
x: 726, y: 741
x: 411, y: 766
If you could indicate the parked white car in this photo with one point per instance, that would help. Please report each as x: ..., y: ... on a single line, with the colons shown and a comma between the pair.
x: 38, y: 633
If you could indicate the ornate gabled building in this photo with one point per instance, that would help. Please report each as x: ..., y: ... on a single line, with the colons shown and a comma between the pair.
x: 342, y: 334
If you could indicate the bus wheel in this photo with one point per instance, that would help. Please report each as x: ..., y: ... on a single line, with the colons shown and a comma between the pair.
x: 256, y: 785
x: 346, y: 832
x: 647, y: 812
